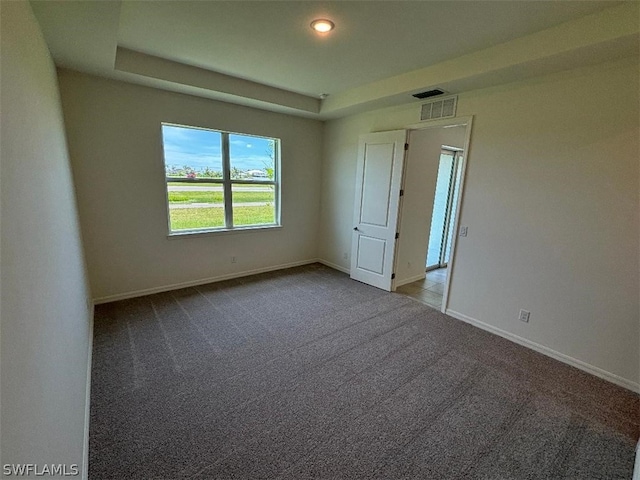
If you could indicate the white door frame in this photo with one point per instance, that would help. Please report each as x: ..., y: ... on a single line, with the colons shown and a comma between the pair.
x: 450, y: 122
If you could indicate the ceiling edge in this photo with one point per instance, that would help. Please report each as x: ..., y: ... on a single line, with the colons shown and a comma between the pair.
x: 138, y: 63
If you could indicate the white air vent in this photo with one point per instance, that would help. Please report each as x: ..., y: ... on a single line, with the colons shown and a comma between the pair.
x: 440, y: 108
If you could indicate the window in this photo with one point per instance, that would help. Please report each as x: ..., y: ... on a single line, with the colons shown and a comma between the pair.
x: 220, y: 180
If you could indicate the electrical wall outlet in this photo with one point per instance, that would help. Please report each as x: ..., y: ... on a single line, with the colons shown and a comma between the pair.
x: 233, y: 259
x: 524, y: 316
x: 463, y: 231
x: 345, y: 255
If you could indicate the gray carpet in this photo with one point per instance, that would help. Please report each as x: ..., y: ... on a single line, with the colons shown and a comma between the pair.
x: 306, y: 374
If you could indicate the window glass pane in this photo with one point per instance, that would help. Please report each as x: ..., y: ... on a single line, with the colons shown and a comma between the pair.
x: 252, y: 158
x: 253, y: 204
x: 439, y: 214
x: 191, y: 153
x: 198, y: 166
x: 195, y: 205
x: 454, y: 206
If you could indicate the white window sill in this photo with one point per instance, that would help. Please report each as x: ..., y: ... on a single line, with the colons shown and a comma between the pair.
x: 221, y: 231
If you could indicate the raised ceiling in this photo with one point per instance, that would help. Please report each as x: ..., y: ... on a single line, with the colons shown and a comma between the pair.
x: 264, y: 53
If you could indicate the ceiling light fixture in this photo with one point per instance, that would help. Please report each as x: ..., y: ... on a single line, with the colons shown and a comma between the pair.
x: 322, y: 25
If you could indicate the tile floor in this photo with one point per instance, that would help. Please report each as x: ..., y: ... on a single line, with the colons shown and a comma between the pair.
x: 429, y: 290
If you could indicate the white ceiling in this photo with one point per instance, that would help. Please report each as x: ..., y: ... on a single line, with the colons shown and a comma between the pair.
x: 270, y: 43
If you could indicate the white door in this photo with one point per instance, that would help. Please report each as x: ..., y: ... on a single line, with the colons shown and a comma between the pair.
x: 378, y: 182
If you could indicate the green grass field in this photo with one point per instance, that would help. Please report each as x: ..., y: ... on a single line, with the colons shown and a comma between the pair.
x: 198, y: 184
x: 218, y: 197
x: 190, y: 218
x: 186, y: 184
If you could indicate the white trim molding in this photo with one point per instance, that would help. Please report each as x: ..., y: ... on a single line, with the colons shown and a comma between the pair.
x: 636, y: 468
x: 87, y: 405
x: 415, y: 278
x: 202, y: 281
x: 574, y: 362
x: 334, y: 266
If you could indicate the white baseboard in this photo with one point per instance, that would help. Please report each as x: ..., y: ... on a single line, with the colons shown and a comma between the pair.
x: 334, y: 266
x: 202, y: 281
x: 348, y: 271
x: 574, y: 362
x: 636, y: 468
x: 87, y: 406
x: 415, y: 278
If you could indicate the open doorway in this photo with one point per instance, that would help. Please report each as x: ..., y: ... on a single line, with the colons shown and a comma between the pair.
x: 442, y: 225
x: 433, y: 184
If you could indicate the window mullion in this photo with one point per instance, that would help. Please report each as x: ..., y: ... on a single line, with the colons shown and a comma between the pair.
x: 226, y: 176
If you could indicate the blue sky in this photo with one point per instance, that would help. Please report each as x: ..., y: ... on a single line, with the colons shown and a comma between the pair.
x: 201, y: 148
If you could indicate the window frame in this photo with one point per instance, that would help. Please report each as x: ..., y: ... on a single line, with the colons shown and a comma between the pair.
x: 227, y: 184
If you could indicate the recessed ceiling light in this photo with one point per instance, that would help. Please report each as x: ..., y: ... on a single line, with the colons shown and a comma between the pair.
x: 322, y: 25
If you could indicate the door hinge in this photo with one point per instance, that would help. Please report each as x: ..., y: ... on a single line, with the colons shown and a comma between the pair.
x: 406, y: 146
x: 402, y: 193
x: 393, y: 276
x: 397, y: 235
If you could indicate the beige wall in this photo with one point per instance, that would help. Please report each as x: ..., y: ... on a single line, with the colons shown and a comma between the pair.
x: 551, y: 203
x: 45, y: 317
x: 113, y: 130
